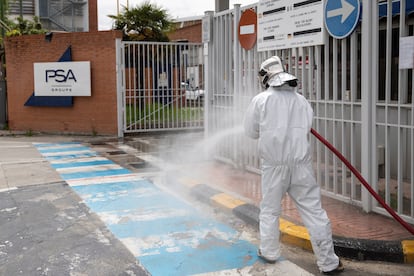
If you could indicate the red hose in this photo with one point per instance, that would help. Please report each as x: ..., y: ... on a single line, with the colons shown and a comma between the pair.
x: 363, y: 181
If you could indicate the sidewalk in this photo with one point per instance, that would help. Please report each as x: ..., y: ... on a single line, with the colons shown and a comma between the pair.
x: 357, y: 235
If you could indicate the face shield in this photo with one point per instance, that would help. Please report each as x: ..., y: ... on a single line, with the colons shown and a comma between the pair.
x: 283, y: 78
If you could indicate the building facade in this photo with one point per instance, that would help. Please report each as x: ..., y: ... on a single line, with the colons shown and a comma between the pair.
x: 58, y: 15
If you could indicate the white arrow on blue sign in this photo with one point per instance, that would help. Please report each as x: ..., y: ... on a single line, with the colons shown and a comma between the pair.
x: 341, y: 17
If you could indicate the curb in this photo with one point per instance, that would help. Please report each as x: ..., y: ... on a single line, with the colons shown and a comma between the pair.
x: 290, y: 233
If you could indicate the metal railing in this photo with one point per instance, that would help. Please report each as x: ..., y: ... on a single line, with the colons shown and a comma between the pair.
x: 63, y: 15
x: 362, y: 103
x: 163, y: 86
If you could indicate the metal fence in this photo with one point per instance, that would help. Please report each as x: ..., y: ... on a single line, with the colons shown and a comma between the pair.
x: 362, y: 103
x: 161, y: 86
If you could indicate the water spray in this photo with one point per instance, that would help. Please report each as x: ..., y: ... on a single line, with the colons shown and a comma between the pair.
x: 363, y: 181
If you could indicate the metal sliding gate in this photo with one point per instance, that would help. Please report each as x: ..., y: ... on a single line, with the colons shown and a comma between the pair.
x: 161, y: 86
x: 362, y: 103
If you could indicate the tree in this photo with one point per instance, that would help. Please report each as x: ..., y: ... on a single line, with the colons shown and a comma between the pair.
x: 23, y: 26
x: 145, y: 22
x: 19, y: 26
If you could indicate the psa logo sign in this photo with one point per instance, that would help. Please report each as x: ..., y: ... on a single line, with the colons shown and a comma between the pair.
x: 62, y: 78
x: 60, y: 75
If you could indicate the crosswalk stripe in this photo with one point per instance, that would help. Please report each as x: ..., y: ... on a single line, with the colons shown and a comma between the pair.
x: 81, y: 168
x: 103, y: 180
x: 58, y: 162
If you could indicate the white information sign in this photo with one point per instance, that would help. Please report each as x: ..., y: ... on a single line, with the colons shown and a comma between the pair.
x: 286, y: 24
x: 62, y: 78
x: 206, y: 29
x: 407, y: 52
x: 163, y: 80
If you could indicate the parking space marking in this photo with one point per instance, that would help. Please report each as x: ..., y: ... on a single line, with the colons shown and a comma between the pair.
x: 167, y: 235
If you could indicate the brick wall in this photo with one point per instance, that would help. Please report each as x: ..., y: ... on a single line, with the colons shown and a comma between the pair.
x: 95, y: 114
x: 190, y: 33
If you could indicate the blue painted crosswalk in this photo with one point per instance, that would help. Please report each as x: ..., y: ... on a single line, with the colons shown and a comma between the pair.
x: 82, y: 163
x: 167, y: 235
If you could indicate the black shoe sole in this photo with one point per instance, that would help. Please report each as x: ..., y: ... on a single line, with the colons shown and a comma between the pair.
x: 337, y: 270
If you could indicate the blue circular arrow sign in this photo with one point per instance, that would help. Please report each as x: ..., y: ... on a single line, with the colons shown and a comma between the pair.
x: 341, y: 17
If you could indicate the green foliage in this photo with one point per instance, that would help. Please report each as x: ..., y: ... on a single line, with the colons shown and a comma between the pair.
x: 13, y: 33
x: 24, y: 26
x: 146, y: 22
x: 157, y: 113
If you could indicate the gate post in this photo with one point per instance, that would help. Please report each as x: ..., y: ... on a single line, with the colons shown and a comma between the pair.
x: 3, y: 104
x: 120, y: 66
x: 369, y: 59
x: 208, y: 37
x: 237, y: 80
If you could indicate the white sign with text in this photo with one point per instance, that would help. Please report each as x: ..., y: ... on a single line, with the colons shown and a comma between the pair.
x: 62, y: 78
x: 286, y: 24
x: 406, y: 52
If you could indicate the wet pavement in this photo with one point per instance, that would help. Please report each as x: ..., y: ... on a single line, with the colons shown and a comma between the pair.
x: 347, y: 220
x: 67, y: 209
x: 356, y: 233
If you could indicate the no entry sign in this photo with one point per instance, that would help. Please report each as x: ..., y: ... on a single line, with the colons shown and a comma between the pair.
x: 248, y: 29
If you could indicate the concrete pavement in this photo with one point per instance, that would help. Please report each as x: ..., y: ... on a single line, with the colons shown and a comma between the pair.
x: 27, y: 182
x: 45, y: 227
x: 52, y: 228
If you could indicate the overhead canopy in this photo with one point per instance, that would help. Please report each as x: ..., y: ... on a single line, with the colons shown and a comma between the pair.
x: 396, y: 8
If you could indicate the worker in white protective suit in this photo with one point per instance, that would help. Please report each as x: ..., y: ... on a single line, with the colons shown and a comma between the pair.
x: 281, y: 119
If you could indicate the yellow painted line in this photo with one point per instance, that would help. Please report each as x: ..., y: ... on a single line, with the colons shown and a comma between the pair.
x: 189, y: 182
x: 224, y: 200
x: 290, y: 233
x: 294, y: 234
x: 408, y: 250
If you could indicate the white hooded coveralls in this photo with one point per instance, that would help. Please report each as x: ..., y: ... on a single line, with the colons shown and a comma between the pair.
x: 282, y: 119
